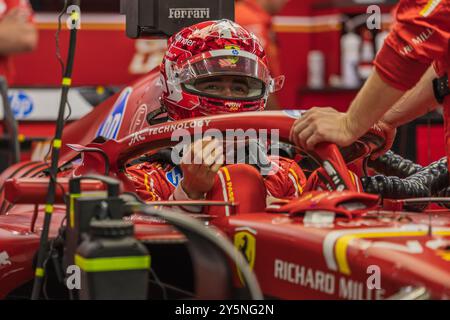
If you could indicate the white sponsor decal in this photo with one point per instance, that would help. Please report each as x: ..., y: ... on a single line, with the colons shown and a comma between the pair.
x: 333, y: 175
x: 324, y: 282
x: 43, y: 104
x: 417, y: 41
x: 189, y: 13
x: 139, y: 119
x: 184, y: 41
x: 319, y: 219
x: 413, y: 246
x: 141, y: 135
x: 136, y: 138
x: 110, y: 127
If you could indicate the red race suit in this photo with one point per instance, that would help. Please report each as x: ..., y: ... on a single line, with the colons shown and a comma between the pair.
x: 419, y: 38
x: 157, y: 181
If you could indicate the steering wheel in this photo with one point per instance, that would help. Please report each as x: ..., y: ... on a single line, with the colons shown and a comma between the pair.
x: 333, y: 159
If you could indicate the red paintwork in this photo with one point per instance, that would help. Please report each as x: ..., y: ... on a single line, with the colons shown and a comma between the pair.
x: 335, y: 202
x: 333, y: 254
x: 34, y: 190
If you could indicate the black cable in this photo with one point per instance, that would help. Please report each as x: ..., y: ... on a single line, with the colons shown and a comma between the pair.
x: 190, y: 226
x: 52, y: 249
x: 172, y: 288
x: 57, y: 143
x: 160, y: 284
x: 58, y: 31
x: 70, y: 112
x: 65, y: 121
x: 60, y: 60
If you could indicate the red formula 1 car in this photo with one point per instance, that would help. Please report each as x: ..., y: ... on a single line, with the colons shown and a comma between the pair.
x: 324, y: 245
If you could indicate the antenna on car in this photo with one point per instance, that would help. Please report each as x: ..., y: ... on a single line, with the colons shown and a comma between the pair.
x: 163, y: 18
x: 73, y: 8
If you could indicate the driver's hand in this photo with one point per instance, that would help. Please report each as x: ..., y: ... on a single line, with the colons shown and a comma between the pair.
x: 200, y: 166
x: 389, y: 133
x: 322, y: 125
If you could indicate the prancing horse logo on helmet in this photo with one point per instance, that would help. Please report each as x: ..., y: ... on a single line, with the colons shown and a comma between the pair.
x: 235, y: 52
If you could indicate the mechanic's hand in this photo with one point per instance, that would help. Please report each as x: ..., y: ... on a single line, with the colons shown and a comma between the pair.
x: 16, y: 16
x: 322, y: 125
x: 389, y: 133
x: 200, y: 166
x: 15, y: 25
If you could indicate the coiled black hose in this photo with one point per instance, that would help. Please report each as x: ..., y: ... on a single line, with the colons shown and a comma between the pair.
x: 392, y: 164
x: 428, y: 181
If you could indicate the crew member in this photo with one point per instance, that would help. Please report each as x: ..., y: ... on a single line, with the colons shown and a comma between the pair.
x: 18, y: 34
x: 401, y: 88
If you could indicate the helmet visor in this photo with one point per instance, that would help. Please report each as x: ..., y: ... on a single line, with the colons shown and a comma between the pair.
x: 231, y: 76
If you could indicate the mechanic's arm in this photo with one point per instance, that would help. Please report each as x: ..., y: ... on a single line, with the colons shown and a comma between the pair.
x: 327, y: 124
x: 17, y: 33
x: 375, y: 98
x: 400, y: 65
x: 415, y: 103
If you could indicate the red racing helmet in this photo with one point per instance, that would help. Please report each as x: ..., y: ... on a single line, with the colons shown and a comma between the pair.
x: 215, y: 51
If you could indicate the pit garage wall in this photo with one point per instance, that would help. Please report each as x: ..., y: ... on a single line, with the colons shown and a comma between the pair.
x: 104, y: 54
x: 106, y: 57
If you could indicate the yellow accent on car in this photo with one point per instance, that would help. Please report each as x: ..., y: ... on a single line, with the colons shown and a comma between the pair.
x: 343, y: 243
x: 113, y: 264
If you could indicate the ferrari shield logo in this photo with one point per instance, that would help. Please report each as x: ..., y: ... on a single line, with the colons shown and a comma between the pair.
x: 245, y: 242
x: 235, y: 58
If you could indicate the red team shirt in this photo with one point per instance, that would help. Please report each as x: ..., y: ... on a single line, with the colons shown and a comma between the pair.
x: 420, y: 37
x: 6, y: 65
